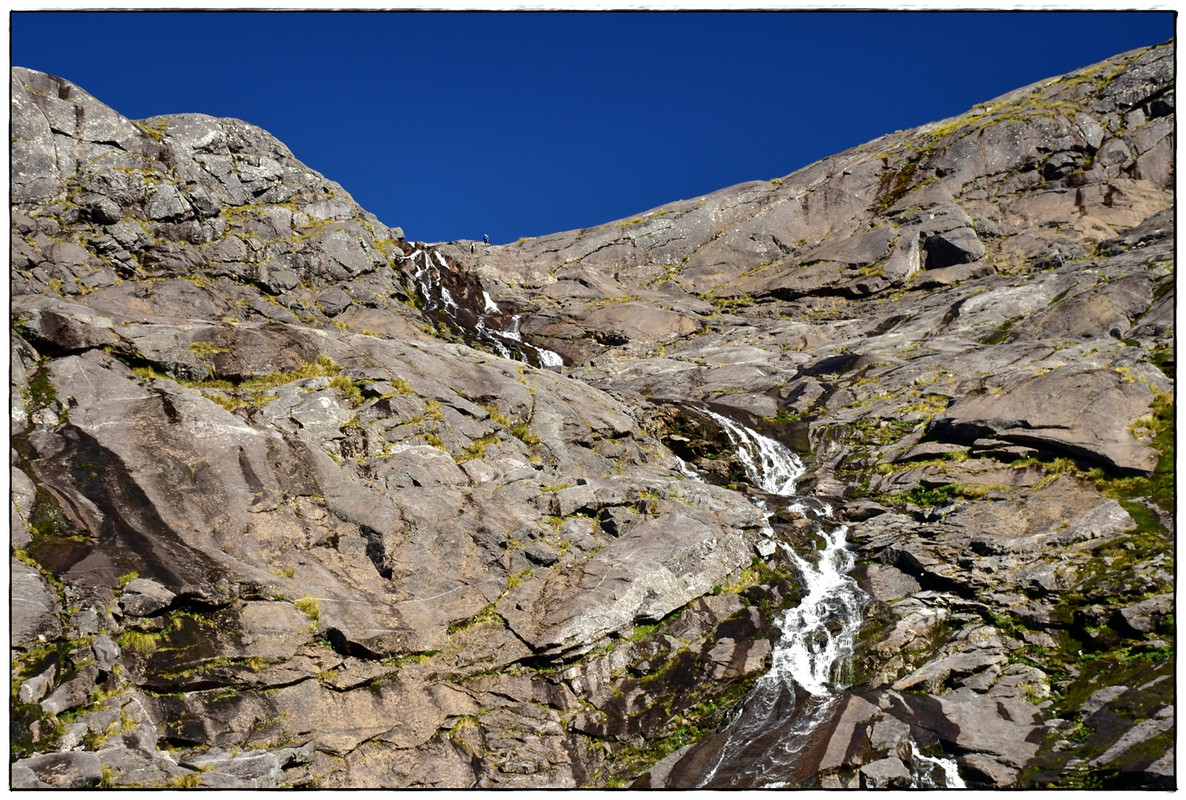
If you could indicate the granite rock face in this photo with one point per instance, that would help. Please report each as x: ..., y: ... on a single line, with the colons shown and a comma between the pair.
x: 297, y: 501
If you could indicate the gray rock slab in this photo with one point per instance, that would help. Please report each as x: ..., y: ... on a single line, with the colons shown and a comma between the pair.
x: 73, y: 770
x: 74, y: 693
x: 1145, y: 616
x: 886, y: 773
x: 887, y: 583
x: 848, y: 743
x: 106, y: 652
x: 35, y: 607
x: 1086, y: 413
x: 143, y: 597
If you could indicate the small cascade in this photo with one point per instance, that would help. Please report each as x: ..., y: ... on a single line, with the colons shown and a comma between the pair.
x: 770, y: 466
x: 925, y: 767
x: 780, y: 730
x: 477, y: 316
x: 546, y: 357
x: 778, y: 723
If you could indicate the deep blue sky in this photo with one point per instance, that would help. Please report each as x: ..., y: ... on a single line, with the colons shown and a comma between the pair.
x: 452, y: 125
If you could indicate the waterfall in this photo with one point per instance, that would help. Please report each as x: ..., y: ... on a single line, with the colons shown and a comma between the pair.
x: 771, y: 738
x: 482, y: 325
x: 770, y: 466
x: 924, y: 768
x: 777, y: 722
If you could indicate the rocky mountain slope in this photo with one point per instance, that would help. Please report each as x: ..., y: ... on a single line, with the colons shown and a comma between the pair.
x: 297, y: 501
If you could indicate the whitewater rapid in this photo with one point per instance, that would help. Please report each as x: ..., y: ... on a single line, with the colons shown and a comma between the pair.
x: 767, y: 739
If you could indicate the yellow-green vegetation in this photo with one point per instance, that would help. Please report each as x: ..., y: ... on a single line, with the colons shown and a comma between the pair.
x: 487, y: 616
x: 726, y: 305
x: 759, y: 571
x: 156, y: 132
x: 257, y: 391
x: 190, y: 781
x: 641, y: 632
x: 517, y: 579
x: 139, y: 642
x: 928, y: 406
x: 207, y: 349
x: 309, y: 606
x: 432, y: 409
x: 523, y: 433
x: 348, y: 389
x: 477, y: 448
x: 496, y: 415
x: 520, y: 431
x: 128, y: 577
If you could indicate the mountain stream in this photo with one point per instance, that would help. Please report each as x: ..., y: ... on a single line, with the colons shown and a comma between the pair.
x: 780, y: 731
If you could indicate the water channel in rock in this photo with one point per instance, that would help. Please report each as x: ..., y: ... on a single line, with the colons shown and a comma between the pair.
x: 769, y: 740
x: 780, y: 732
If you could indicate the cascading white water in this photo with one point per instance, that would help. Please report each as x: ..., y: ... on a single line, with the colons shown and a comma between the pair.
x: 547, y: 358
x: 428, y: 265
x: 778, y: 721
x: 922, y: 778
x: 770, y: 466
x: 765, y: 738
x: 816, y: 655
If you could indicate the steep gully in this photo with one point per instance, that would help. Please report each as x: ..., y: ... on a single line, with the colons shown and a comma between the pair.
x: 765, y: 743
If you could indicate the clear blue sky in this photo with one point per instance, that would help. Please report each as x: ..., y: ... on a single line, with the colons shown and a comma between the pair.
x: 451, y: 125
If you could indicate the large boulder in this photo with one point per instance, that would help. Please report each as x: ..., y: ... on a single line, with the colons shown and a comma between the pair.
x: 1083, y: 413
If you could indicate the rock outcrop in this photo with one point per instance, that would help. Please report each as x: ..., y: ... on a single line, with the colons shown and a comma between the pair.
x: 297, y: 501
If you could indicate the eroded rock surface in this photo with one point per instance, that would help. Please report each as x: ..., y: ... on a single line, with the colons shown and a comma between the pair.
x: 297, y: 501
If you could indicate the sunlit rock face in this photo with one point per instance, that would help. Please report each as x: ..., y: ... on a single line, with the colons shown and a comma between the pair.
x: 299, y: 501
